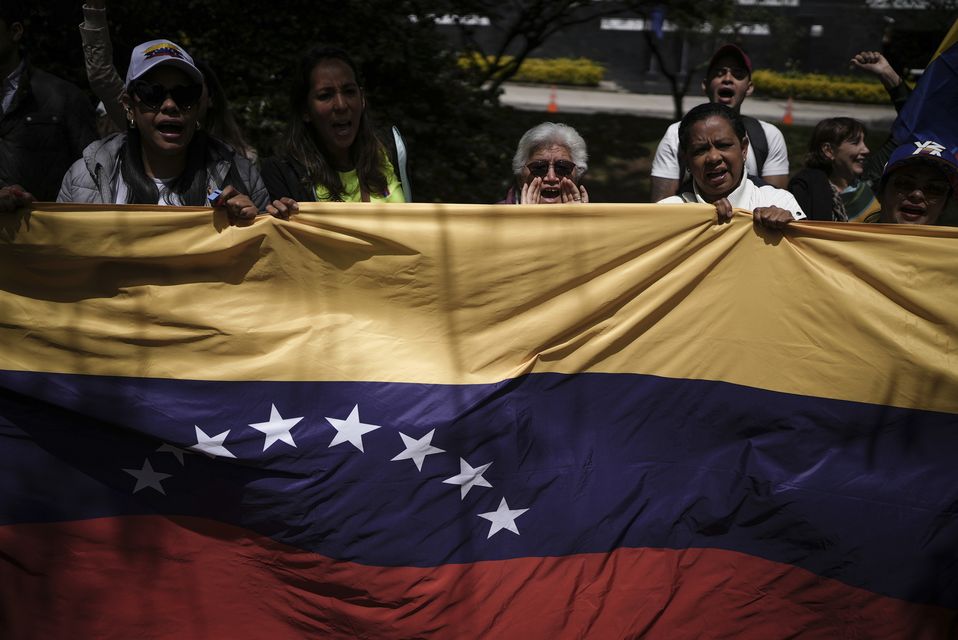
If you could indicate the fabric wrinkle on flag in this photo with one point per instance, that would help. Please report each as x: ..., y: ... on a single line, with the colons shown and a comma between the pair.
x: 456, y: 421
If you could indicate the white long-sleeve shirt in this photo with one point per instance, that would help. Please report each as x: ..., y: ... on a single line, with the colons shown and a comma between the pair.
x: 747, y: 196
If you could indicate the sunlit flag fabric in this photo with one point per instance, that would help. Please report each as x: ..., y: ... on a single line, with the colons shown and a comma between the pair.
x: 476, y: 422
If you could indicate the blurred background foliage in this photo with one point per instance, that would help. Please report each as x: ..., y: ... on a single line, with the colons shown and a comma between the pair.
x: 815, y: 86
x: 411, y: 76
x: 580, y: 72
x: 460, y: 138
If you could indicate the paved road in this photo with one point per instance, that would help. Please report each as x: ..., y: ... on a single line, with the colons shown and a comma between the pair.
x: 536, y: 98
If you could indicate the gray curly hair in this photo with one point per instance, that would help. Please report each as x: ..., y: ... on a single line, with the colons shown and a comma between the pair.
x: 548, y: 134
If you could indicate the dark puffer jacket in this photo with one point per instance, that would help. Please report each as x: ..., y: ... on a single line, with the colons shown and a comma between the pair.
x: 46, y: 128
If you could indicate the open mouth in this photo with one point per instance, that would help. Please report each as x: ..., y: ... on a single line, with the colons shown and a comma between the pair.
x: 170, y: 129
x: 549, y: 193
x: 725, y: 94
x: 342, y: 129
x: 716, y: 177
x: 911, y: 212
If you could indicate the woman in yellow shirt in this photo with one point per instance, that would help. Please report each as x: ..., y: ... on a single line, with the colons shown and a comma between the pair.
x: 331, y: 152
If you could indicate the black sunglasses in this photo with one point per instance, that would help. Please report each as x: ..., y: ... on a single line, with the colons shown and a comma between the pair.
x: 540, y: 168
x: 154, y: 95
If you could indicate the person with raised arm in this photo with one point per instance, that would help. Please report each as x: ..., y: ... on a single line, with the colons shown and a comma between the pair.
x: 164, y: 157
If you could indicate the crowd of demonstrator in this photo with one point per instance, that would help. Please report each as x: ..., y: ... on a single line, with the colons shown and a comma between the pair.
x: 174, y: 142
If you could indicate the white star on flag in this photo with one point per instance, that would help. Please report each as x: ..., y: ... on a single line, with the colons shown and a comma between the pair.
x: 176, y: 451
x: 469, y: 477
x: 417, y: 450
x: 146, y: 477
x: 502, y: 518
x: 278, y: 428
x: 211, y: 445
x: 351, y: 429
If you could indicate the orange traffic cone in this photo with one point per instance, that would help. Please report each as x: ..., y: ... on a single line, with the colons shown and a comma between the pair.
x: 553, y: 107
x: 788, y: 118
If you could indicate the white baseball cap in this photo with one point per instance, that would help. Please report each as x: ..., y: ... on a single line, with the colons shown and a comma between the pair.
x: 156, y: 52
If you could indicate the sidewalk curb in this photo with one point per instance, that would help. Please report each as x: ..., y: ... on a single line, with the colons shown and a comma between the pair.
x: 570, y: 99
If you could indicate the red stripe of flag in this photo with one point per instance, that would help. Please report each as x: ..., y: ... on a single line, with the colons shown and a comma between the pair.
x: 155, y: 577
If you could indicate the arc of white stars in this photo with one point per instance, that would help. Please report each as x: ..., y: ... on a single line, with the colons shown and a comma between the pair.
x: 351, y: 429
x: 277, y: 428
x: 211, y: 445
x: 469, y: 477
x: 417, y: 450
x: 178, y: 453
x: 147, y: 478
x: 502, y: 518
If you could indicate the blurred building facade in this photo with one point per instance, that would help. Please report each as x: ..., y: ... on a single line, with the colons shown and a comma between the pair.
x: 802, y: 35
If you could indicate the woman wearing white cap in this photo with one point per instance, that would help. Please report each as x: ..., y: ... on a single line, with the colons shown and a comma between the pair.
x: 164, y: 157
x: 214, y: 111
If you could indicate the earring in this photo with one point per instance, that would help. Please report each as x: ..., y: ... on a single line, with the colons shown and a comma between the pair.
x: 129, y: 120
x: 199, y: 125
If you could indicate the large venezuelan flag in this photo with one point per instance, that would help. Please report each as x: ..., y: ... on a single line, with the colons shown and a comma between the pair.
x: 476, y: 422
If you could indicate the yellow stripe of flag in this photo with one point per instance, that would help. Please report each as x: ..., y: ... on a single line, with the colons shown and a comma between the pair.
x: 462, y: 294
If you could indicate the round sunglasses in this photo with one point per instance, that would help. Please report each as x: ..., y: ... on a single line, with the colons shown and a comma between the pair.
x: 154, y: 95
x: 540, y: 168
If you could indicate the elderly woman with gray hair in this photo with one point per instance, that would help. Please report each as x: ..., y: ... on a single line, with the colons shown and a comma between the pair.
x: 548, y: 165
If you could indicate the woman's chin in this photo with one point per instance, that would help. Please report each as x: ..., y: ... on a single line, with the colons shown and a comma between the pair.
x: 711, y: 194
x: 165, y: 146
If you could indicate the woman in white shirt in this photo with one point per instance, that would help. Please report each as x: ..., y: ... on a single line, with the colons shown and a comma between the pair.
x: 713, y: 145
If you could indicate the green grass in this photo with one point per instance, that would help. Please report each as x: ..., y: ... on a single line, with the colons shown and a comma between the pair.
x: 621, y: 148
